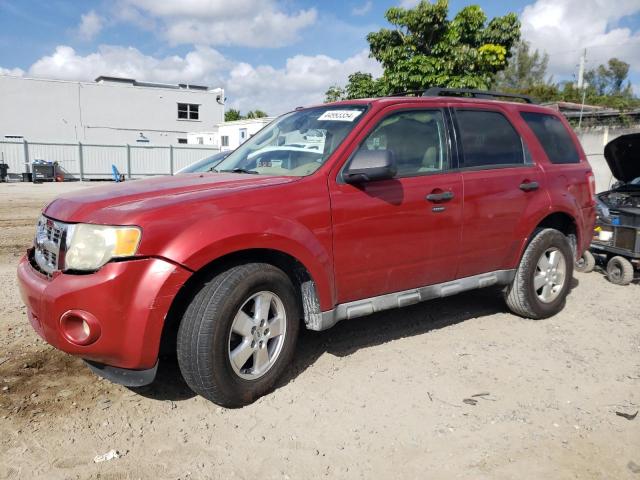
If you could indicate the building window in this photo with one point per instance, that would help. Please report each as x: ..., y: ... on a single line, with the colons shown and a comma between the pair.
x: 243, y: 134
x: 224, y: 140
x: 182, y: 140
x: 200, y: 140
x: 188, y: 111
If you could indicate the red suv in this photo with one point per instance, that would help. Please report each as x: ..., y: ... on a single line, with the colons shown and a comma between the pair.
x: 329, y: 213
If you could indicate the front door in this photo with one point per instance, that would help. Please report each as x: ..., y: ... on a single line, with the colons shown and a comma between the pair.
x: 402, y: 233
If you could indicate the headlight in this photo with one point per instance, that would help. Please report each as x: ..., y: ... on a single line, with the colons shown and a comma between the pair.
x: 89, y: 247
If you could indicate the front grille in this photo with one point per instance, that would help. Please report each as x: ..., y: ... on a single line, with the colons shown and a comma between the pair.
x: 50, y: 236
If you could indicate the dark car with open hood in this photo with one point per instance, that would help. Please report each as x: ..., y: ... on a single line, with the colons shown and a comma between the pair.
x: 616, y: 240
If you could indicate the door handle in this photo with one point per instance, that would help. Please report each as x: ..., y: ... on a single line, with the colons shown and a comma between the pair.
x: 440, y: 197
x: 529, y: 186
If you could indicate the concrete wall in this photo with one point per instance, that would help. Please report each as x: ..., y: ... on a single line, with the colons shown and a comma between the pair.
x: 593, y: 140
x: 105, y: 112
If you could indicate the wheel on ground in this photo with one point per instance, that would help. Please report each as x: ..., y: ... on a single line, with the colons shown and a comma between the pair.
x: 238, y: 334
x: 586, y: 263
x: 619, y: 271
x: 542, y: 280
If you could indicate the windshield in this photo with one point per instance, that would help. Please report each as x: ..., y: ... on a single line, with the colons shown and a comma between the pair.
x: 204, y: 165
x: 296, y: 144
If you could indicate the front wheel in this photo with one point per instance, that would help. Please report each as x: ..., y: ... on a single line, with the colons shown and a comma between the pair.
x: 238, y: 334
x: 542, y: 280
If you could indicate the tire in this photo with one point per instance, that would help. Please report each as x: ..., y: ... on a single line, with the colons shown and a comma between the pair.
x: 586, y: 263
x: 521, y: 295
x: 619, y: 271
x: 208, y: 334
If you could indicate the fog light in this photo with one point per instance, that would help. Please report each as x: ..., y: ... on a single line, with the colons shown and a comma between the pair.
x: 80, y: 327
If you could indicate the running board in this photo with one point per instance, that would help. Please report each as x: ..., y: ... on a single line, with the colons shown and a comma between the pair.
x: 367, y: 306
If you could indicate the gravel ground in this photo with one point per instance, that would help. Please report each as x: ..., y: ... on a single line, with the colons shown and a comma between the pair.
x: 454, y: 388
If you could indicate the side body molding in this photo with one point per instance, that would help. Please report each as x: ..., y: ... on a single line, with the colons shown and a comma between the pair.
x: 367, y: 306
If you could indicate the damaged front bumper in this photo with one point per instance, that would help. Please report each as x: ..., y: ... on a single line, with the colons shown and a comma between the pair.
x: 112, y: 317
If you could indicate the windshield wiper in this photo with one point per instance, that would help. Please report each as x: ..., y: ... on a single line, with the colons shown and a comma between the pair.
x: 238, y: 170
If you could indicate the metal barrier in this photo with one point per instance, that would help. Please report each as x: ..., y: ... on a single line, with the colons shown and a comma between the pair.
x: 85, y: 161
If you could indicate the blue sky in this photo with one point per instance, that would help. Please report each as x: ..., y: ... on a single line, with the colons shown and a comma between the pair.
x: 272, y: 54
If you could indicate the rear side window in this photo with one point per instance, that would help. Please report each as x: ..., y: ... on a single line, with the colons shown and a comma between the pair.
x: 488, y: 139
x: 553, y: 136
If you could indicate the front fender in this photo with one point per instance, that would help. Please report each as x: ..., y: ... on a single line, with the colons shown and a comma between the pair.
x: 207, y: 240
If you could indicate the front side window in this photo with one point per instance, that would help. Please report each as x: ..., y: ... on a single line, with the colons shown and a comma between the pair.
x: 417, y: 140
x: 188, y: 111
x: 296, y: 144
x: 488, y: 139
x: 553, y: 136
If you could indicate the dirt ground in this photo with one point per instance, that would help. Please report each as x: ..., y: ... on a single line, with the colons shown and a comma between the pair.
x: 454, y: 388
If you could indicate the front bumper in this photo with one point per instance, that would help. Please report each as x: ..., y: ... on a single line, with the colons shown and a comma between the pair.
x: 129, y: 300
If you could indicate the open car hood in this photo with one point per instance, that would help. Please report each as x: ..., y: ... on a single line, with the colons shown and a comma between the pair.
x: 623, y: 157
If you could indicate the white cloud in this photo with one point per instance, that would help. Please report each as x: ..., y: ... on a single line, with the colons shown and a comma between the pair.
x: 90, y: 25
x: 201, y: 64
x: 13, y: 72
x: 252, y: 23
x: 362, y: 9
x: 302, y: 81
x: 564, y: 28
x: 409, y: 3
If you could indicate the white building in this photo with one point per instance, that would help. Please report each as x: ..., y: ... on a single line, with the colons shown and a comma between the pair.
x: 229, y: 135
x: 110, y: 110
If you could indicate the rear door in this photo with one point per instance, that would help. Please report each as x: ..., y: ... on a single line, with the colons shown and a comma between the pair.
x: 389, y: 235
x: 502, y: 187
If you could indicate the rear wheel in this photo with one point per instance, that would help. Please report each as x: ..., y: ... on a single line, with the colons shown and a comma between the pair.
x: 543, y: 277
x: 586, y: 263
x: 619, y: 271
x: 238, y: 334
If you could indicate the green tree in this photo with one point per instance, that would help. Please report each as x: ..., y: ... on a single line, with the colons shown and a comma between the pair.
x: 256, y: 114
x: 232, y: 114
x: 426, y: 49
x: 335, y: 93
x: 362, y: 85
x: 525, y: 69
x: 618, y: 71
x: 608, y: 79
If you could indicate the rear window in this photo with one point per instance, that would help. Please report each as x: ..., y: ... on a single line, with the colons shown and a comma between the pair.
x: 488, y: 139
x: 553, y: 136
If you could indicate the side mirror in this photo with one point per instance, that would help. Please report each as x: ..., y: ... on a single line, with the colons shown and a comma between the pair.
x: 370, y: 165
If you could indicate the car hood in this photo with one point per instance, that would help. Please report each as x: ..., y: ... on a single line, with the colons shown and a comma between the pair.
x: 623, y: 157
x: 108, y: 203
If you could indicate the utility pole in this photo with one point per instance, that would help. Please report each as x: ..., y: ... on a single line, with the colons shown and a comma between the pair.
x: 583, y: 59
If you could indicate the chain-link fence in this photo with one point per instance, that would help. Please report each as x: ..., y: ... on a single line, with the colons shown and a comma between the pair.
x: 83, y: 161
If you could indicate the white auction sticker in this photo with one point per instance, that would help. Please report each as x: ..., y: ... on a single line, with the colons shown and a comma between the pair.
x: 340, y: 115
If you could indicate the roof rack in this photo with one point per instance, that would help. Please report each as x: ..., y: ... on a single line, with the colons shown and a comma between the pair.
x: 462, y: 92
x: 406, y: 93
